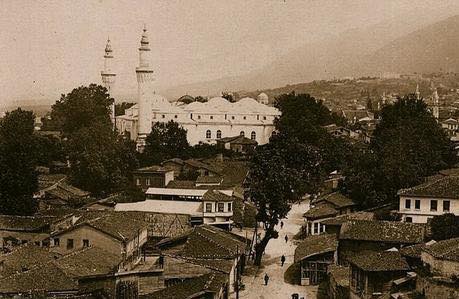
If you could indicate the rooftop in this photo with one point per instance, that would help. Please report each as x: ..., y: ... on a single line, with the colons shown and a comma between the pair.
x: 314, y: 245
x: 154, y: 168
x: 25, y: 223
x: 383, y: 231
x: 237, y: 140
x: 446, y: 187
x: 444, y: 250
x: 215, y: 195
x: 340, y: 219
x: 321, y: 211
x: 340, y: 274
x: 205, y: 179
x: 380, y: 261
x: 337, y: 199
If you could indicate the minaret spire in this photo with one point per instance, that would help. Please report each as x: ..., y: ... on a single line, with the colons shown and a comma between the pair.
x: 436, y: 104
x: 417, y: 93
x: 145, y: 80
x: 108, y: 76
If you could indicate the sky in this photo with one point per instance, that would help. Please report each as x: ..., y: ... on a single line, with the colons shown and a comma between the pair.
x: 50, y: 47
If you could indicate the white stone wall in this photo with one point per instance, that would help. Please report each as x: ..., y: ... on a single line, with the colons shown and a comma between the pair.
x: 422, y: 214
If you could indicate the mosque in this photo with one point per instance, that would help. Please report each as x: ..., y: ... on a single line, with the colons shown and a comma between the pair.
x: 204, y: 122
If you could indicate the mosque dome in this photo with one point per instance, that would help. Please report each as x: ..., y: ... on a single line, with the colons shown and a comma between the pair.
x: 263, y: 98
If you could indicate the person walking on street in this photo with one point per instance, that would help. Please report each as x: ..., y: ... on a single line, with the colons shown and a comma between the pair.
x: 286, y: 238
x: 282, y: 260
x: 282, y: 224
x: 266, y: 279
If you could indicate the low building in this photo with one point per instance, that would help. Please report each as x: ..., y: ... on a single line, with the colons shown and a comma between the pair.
x: 153, y: 176
x: 357, y: 236
x: 238, y: 144
x: 118, y: 233
x: 442, y: 257
x: 315, y: 254
x: 63, y: 195
x: 451, y: 126
x: 323, y: 208
x: 203, y: 206
x: 333, y: 225
x: 372, y: 273
x: 435, y: 197
x: 17, y: 230
x: 219, y: 250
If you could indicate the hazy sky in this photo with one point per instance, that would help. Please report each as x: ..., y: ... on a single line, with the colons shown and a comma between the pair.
x: 49, y: 47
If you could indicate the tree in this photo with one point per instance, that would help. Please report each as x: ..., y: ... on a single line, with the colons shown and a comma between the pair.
x: 48, y: 149
x: 445, y: 226
x: 229, y: 97
x: 18, y: 178
x: 165, y: 141
x: 276, y: 179
x: 200, y: 99
x: 101, y: 162
x: 82, y: 107
x: 409, y: 145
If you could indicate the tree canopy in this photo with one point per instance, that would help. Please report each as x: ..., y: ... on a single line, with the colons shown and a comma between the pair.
x: 18, y: 159
x: 445, y: 226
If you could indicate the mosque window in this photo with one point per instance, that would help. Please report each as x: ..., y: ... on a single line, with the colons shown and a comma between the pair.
x: 245, y: 117
x: 211, y: 117
x: 253, y: 135
x: 232, y: 117
x: 264, y: 117
x: 175, y: 116
x: 208, y: 134
x: 163, y: 116
x: 199, y: 116
x: 219, y: 134
x: 242, y: 133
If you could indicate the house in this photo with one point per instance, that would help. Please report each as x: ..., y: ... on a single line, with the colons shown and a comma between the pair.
x: 238, y: 144
x: 203, y: 206
x: 442, y: 257
x: 175, y: 165
x: 372, y: 273
x: 209, y: 286
x: 208, y: 181
x: 333, y: 225
x: 16, y: 230
x: 118, y: 233
x: 152, y: 176
x: 450, y: 125
x: 315, y: 254
x: 211, y: 247
x: 326, y: 207
x: 63, y: 195
x: 357, y: 236
x: 203, y: 169
x: 433, y: 198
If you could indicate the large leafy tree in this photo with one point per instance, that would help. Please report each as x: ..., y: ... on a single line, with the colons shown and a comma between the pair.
x: 445, y: 226
x: 82, y: 107
x: 101, y: 161
x: 409, y: 145
x: 18, y: 179
x: 277, y: 179
x: 166, y: 140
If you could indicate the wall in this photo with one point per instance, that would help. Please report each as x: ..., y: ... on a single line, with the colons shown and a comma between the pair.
x: 22, y: 236
x: 421, y: 215
x: 440, y: 267
x: 433, y: 289
x: 95, y: 237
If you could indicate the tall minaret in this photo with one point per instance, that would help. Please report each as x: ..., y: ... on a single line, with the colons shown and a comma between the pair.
x: 436, y: 104
x: 417, y: 93
x: 145, y: 90
x: 108, y: 76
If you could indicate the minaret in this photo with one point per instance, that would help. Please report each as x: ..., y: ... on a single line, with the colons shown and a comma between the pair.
x: 417, y: 93
x: 436, y: 104
x: 108, y: 76
x: 145, y: 90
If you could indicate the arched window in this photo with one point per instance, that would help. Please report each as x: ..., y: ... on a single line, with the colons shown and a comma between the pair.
x: 253, y: 135
x: 242, y: 134
x: 208, y: 134
x: 219, y: 134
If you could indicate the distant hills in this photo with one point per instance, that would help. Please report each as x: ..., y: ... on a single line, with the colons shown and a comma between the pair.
x: 403, y: 46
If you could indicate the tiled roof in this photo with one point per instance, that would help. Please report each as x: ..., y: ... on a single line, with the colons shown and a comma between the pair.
x: 174, y: 160
x: 237, y: 140
x: 320, y: 211
x: 314, y: 245
x: 88, y: 262
x: 444, y: 250
x: 176, y: 267
x: 205, y: 179
x: 25, y: 223
x: 339, y: 220
x: 413, y: 251
x: 24, y: 257
x: 450, y: 172
x: 383, y: 231
x: 199, y: 164
x: 337, y: 199
x: 179, y: 184
x: 48, y: 180
x: 447, y: 187
x: 215, y: 195
x: 192, y: 288
x: 380, y: 261
x: 340, y: 274
x: 122, y: 226
x: 45, y: 277
x: 233, y: 172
